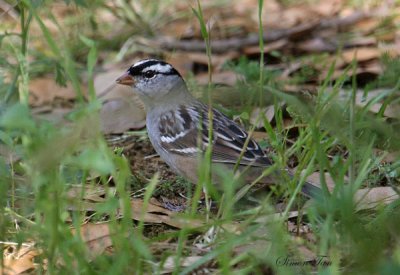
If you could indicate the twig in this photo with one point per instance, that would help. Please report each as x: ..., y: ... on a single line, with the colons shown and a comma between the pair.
x: 223, y: 45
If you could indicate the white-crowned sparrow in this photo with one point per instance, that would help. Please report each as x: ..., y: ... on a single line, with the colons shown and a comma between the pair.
x: 178, y: 123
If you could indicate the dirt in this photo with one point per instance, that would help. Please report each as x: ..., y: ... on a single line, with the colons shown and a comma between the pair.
x: 143, y: 159
x: 172, y: 190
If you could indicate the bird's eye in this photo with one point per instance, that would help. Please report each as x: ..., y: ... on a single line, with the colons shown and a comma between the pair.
x: 149, y: 74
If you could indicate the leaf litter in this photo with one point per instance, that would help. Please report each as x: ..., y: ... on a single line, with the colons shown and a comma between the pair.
x: 290, y: 32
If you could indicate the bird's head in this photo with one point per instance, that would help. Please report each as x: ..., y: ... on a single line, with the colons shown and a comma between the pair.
x: 152, y: 79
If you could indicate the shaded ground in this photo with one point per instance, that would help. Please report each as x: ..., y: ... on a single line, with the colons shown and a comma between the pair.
x: 325, y: 47
x: 145, y: 164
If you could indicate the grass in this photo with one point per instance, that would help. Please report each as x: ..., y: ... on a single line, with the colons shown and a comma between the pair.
x: 337, y: 137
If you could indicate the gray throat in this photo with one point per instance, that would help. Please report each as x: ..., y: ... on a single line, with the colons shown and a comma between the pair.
x: 177, y: 96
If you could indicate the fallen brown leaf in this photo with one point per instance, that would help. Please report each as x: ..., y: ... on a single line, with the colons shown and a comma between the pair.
x: 316, y: 45
x: 96, y: 236
x: 314, y: 179
x: 267, y: 112
x: 360, y: 54
x: 259, y: 135
x: 368, y: 198
x: 45, y: 90
x: 122, y: 109
x: 362, y: 99
x: 157, y: 214
x: 293, y: 15
x: 366, y: 74
x: 90, y: 193
x: 19, y: 261
x: 327, y: 8
x: 360, y: 41
x: 389, y: 157
x: 367, y: 25
x: 271, y: 46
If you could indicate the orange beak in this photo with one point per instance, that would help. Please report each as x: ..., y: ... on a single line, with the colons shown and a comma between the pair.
x: 125, y: 79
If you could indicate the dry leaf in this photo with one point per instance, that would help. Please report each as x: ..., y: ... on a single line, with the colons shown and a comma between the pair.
x: 156, y: 214
x: 327, y: 8
x: 257, y: 119
x: 244, y: 7
x: 120, y: 115
x: 360, y: 41
x: 367, y: 25
x: 368, y: 198
x: 19, y: 261
x: 362, y: 99
x: 259, y: 135
x: 362, y: 74
x: 297, y: 15
x: 360, y: 54
x: 122, y: 109
x: 272, y: 46
x: 365, y: 198
x: 45, y: 90
x: 314, y: 179
x: 91, y: 193
x: 96, y: 236
x: 389, y: 157
x: 181, y: 62
x: 316, y: 45
x: 290, y: 69
x: 179, y: 29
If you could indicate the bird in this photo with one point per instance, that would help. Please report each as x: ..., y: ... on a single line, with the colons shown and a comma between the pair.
x: 178, y: 124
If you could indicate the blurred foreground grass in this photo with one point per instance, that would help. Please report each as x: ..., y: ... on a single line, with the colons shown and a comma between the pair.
x: 44, y: 162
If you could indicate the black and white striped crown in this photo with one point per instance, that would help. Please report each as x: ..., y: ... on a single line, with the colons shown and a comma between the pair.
x: 152, y: 65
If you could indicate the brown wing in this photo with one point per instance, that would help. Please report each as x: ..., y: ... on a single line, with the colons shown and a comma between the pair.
x: 186, y: 132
